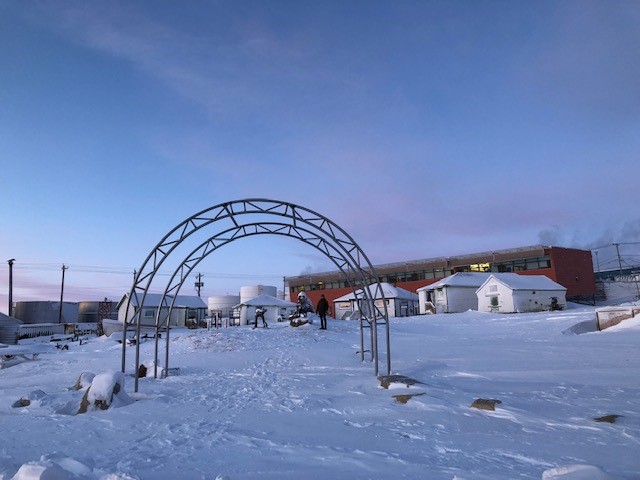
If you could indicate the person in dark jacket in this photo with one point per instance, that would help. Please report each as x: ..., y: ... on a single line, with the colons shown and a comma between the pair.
x: 260, y: 311
x: 321, y: 309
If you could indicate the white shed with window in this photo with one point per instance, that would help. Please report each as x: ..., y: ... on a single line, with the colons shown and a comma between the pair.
x: 400, y: 302
x: 513, y: 293
x: 186, y: 309
x: 452, y: 294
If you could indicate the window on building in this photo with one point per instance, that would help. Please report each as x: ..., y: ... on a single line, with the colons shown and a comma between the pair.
x: 480, y: 267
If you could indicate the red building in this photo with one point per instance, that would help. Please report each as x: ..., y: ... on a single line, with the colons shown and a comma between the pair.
x: 570, y: 267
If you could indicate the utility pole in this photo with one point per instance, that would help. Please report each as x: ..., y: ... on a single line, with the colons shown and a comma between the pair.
x: 10, y: 262
x: 62, y: 294
x: 617, y: 245
x: 199, y: 283
x: 597, y: 261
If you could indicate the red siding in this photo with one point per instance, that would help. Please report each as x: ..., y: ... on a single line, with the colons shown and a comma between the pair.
x: 573, y: 269
x: 570, y: 267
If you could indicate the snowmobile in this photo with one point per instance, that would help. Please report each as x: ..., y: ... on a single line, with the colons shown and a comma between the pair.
x: 305, y: 312
x: 298, y: 319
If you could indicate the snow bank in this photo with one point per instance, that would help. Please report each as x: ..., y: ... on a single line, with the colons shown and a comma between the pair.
x: 576, y: 472
x: 285, y: 403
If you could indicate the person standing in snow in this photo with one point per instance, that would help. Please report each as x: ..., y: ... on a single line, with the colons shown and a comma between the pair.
x: 260, y: 314
x: 321, y: 309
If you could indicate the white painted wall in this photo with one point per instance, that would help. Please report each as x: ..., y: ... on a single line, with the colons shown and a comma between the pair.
x: 537, y: 301
x: 395, y: 307
x: 495, y: 289
x: 461, y: 299
x: 517, y: 301
x: 422, y: 301
x: 179, y: 315
x: 248, y: 314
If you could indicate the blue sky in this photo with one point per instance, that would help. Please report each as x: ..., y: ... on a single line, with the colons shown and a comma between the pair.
x: 424, y: 129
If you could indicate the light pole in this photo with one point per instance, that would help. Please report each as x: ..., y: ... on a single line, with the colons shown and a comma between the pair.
x: 617, y: 245
x: 10, y: 262
x: 62, y: 294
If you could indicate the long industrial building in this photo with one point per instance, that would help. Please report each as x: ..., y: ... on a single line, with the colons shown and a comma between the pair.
x: 570, y: 267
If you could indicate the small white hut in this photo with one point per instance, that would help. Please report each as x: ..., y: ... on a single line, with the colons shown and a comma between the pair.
x: 455, y: 293
x: 277, y: 309
x: 186, y: 309
x: 513, y: 293
x: 400, y: 302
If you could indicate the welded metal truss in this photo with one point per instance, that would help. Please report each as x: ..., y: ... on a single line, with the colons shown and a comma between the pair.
x: 230, y: 221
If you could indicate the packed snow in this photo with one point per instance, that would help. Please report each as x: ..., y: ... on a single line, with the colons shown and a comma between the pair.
x: 291, y: 403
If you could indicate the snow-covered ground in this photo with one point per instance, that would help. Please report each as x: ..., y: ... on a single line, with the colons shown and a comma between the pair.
x: 292, y: 403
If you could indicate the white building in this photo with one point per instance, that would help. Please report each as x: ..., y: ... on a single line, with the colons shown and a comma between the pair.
x: 513, y: 293
x: 400, y: 302
x: 277, y: 309
x: 186, y: 309
x: 455, y: 293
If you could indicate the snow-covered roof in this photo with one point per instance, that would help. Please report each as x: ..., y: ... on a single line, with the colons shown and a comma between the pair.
x: 389, y: 292
x: 7, y: 320
x: 153, y: 300
x: 524, y: 282
x: 460, y: 279
x: 266, y: 300
x: 514, y: 281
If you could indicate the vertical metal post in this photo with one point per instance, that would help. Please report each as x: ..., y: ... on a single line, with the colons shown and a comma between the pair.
x: 374, y: 343
x: 199, y: 283
x: 617, y: 245
x: 597, y: 261
x: 11, y: 286
x: 61, y: 294
x: 388, y: 338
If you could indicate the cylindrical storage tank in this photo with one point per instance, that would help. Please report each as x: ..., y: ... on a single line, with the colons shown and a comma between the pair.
x: 46, y: 312
x: 247, y: 293
x: 9, y: 330
x: 222, y: 304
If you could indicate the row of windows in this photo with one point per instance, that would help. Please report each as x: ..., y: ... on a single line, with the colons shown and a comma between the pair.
x: 412, y: 276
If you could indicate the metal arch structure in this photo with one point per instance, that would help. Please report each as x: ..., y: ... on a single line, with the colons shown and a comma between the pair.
x: 206, y: 248
x: 249, y: 217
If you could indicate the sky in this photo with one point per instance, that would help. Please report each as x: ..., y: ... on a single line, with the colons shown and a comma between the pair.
x: 287, y: 403
x: 424, y: 129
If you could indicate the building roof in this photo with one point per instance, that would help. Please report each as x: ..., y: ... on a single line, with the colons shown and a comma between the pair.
x: 460, y: 279
x: 266, y: 300
x: 153, y: 300
x: 7, y: 320
x: 388, y: 290
x: 524, y: 282
x: 434, y: 263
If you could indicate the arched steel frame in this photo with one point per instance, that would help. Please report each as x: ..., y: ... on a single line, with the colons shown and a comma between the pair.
x: 275, y: 218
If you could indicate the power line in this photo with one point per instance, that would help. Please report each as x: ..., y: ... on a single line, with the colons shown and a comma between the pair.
x: 46, y: 267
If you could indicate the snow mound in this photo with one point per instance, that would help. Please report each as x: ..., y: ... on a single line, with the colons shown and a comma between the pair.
x: 107, y: 389
x: 576, y: 472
